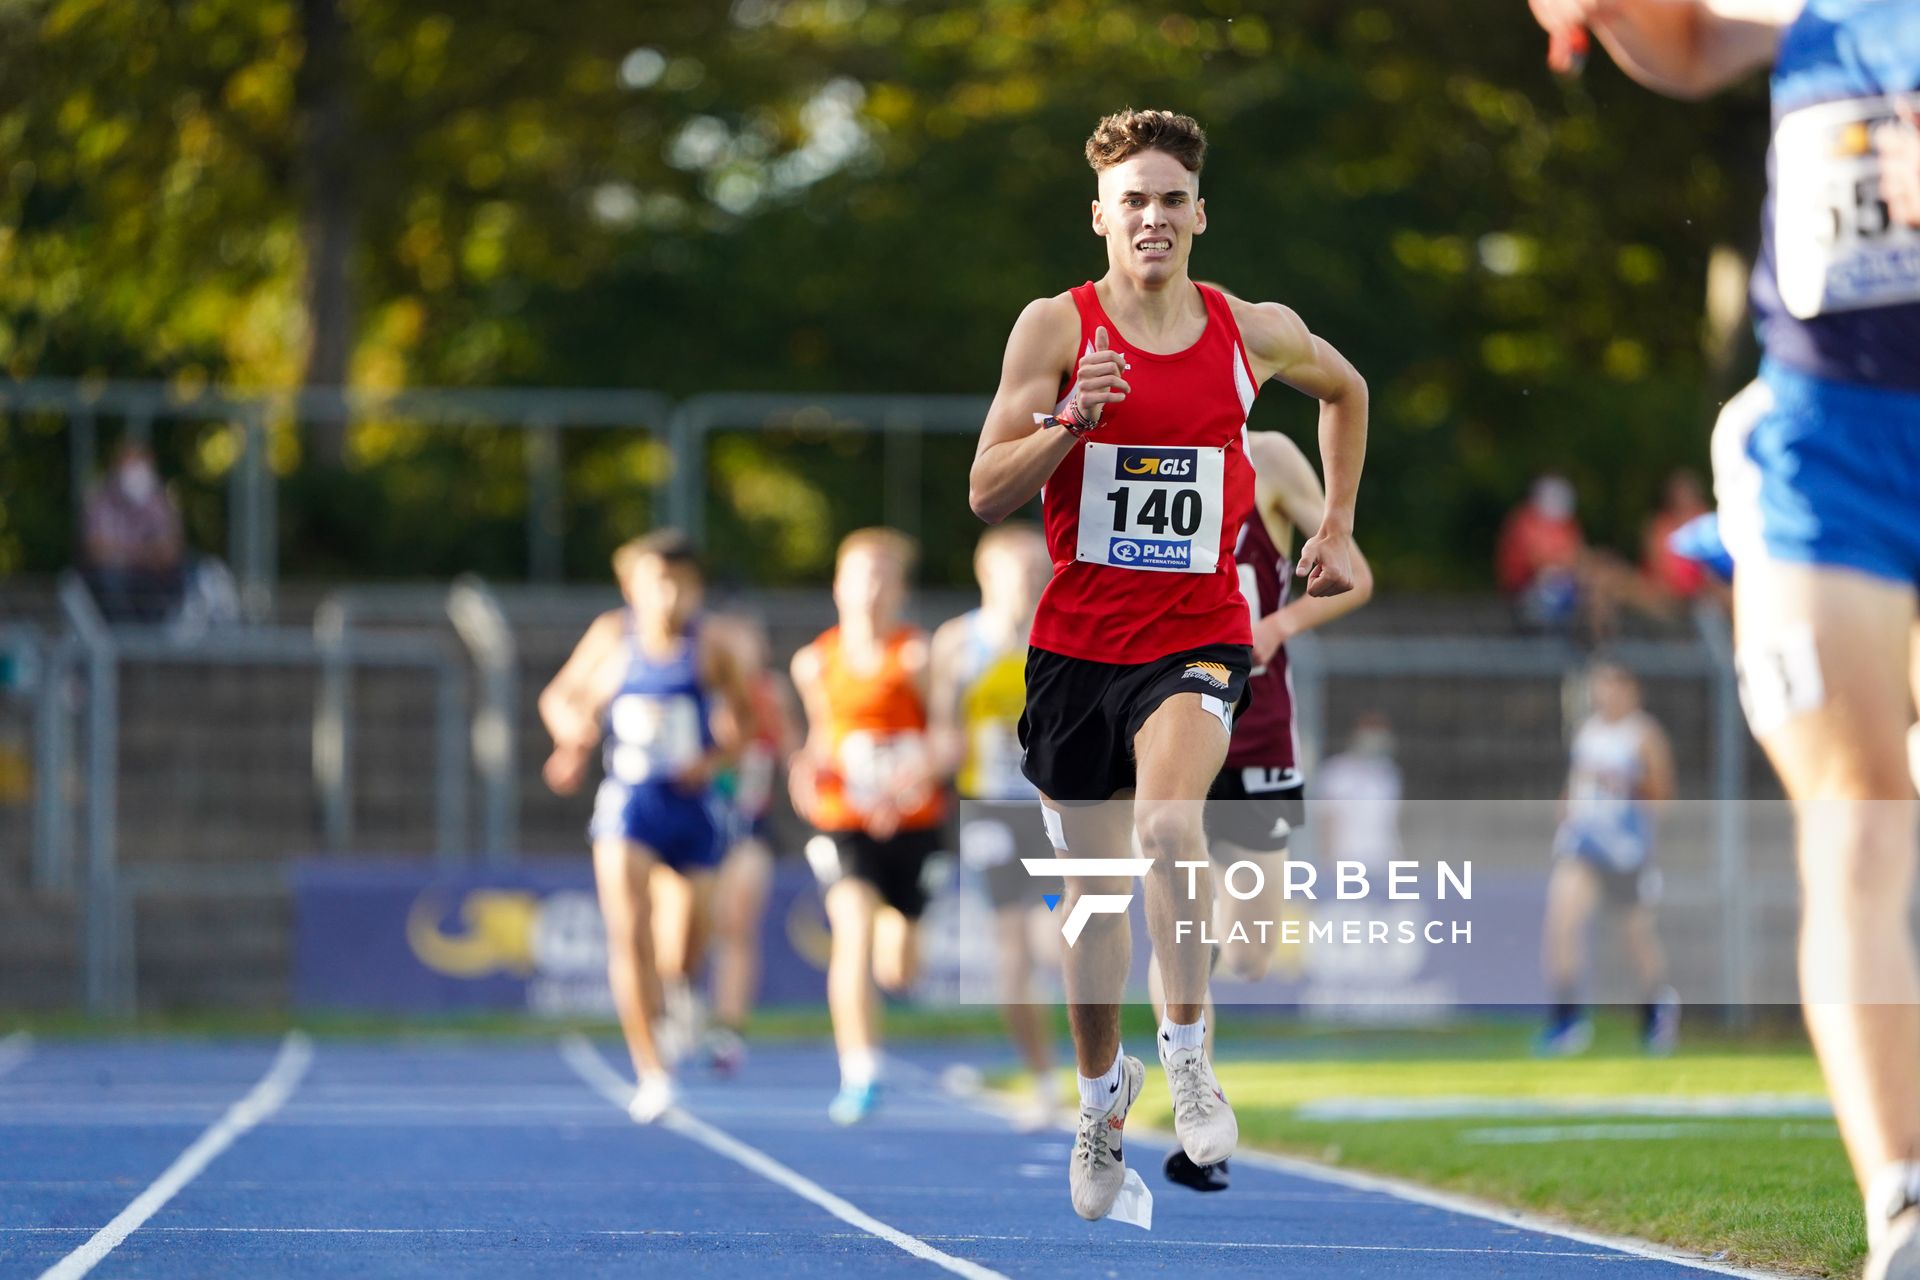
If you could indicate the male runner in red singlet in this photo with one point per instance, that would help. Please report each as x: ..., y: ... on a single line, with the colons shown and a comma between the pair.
x: 1259, y: 797
x: 1139, y: 649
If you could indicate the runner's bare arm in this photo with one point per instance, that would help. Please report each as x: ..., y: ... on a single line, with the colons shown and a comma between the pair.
x: 1281, y: 346
x: 1016, y: 455
x: 1289, y: 488
x: 946, y: 744
x: 571, y: 704
x: 722, y: 671
x: 1682, y: 48
x: 814, y: 751
x: 1656, y: 758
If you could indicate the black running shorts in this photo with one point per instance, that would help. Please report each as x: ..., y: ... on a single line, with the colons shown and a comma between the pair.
x: 896, y: 867
x: 1081, y: 717
x: 1256, y: 809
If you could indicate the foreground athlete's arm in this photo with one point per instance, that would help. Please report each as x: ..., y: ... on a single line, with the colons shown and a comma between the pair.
x: 1288, y: 488
x: 571, y: 704
x: 1016, y: 455
x: 1281, y: 346
x: 1682, y: 48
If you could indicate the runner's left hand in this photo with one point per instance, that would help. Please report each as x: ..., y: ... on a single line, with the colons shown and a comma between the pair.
x: 1326, y: 562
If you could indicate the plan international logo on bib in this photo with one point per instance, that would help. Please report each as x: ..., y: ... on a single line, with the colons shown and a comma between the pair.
x: 1150, y: 553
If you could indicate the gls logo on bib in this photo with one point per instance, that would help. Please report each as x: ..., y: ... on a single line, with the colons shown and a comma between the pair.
x: 1150, y: 465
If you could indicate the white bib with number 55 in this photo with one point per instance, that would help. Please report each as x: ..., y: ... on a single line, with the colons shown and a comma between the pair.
x: 1836, y: 247
x: 1152, y: 507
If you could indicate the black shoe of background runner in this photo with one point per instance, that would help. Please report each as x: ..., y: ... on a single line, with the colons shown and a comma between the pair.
x: 1201, y: 1177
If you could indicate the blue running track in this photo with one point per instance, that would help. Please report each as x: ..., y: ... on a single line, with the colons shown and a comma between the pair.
x: 430, y: 1158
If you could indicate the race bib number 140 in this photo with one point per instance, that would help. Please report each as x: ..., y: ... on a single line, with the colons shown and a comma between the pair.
x: 1835, y: 247
x: 1152, y: 507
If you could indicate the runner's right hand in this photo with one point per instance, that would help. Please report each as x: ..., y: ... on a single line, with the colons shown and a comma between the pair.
x: 1099, y: 381
x: 566, y: 769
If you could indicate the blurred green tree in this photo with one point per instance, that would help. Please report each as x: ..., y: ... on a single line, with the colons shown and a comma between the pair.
x: 844, y: 195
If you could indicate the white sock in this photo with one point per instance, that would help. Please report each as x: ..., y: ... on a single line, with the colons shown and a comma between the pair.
x: 1895, y: 1187
x: 1175, y: 1035
x: 859, y: 1068
x: 1100, y: 1091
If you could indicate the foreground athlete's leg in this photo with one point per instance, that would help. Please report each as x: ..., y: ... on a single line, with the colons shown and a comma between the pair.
x: 1177, y: 752
x: 621, y: 873
x: 1825, y: 661
x: 1094, y: 971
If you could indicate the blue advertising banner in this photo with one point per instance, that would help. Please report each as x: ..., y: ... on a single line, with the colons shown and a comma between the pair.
x: 407, y: 936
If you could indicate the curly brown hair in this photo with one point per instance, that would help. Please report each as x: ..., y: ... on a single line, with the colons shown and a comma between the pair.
x: 1125, y: 134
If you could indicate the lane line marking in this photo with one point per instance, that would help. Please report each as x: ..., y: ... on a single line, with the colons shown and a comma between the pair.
x: 1491, y: 1212
x: 1762, y: 1106
x: 14, y: 1050
x: 1398, y: 1188
x: 729, y: 1233
x: 604, y: 1080
x: 265, y: 1098
x: 1527, y: 1135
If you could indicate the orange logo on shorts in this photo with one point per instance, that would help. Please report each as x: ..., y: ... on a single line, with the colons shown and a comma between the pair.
x: 1214, y: 673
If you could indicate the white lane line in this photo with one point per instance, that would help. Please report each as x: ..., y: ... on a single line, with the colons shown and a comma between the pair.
x: 1763, y: 1106
x: 1489, y: 1211
x: 731, y: 1234
x: 14, y: 1050
x: 265, y: 1098
x: 1381, y: 1184
x: 1526, y: 1135
x: 604, y: 1080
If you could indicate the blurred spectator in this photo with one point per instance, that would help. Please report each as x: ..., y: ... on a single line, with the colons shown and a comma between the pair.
x: 135, y: 554
x: 1359, y: 794
x: 1537, y: 560
x: 1668, y: 574
x: 1555, y: 581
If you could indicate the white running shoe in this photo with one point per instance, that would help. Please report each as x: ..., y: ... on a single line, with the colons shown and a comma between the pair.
x: 1893, y: 1223
x: 1895, y: 1255
x: 652, y: 1098
x: 1098, y: 1167
x: 1201, y: 1116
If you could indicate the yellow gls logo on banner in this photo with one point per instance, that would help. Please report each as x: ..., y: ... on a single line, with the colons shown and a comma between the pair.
x: 496, y: 933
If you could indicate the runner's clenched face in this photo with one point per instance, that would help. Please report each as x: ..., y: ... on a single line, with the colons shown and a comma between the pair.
x: 1012, y: 575
x: 662, y: 592
x: 870, y: 583
x: 1149, y: 210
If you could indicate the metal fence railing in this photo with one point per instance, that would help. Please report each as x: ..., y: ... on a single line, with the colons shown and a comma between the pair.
x: 403, y: 722
x: 194, y: 777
